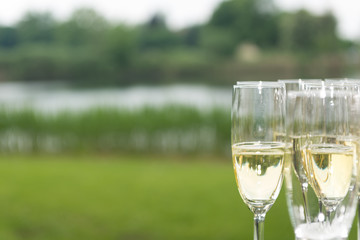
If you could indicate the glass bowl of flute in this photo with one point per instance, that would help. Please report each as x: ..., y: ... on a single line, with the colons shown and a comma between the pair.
x: 322, y: 166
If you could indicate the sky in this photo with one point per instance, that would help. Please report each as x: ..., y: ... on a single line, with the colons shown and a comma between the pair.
x: 179, y: 13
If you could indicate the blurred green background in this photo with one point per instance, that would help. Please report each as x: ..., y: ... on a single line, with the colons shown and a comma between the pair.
x: 121, y: 131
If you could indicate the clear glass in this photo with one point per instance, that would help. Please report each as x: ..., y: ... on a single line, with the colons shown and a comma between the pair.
x: 258, y: 145
x: 295, y: 137
x: 325, y: 149
x: 353, y: 85
x: 298, y: 84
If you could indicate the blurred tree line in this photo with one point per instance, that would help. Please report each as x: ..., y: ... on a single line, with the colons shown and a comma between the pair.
x: 243, y: 39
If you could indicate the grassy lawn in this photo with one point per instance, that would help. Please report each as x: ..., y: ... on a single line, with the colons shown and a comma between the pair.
x: 127, y: 198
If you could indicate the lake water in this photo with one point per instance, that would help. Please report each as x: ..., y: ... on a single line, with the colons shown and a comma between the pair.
x: 52, y: 97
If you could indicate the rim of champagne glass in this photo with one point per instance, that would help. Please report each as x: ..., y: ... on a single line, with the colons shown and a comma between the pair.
x: 299, y: 80
x: 314, y: 81
x: 352, y: 81
x: 264, y: 145
x: 339, y: 79
x: 259, y: 84
x: 291, y: 82
x: 342, y: 81
x: 312, y: 84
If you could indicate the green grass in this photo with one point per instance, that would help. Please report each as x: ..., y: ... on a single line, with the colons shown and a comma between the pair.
x: 127, y: 198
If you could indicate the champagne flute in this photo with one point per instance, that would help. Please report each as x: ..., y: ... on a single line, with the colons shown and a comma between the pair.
x: 353, y: 86
x: 330, y: 161
x: 325, y: 120
x: 258, y: 111
x: 295, y: 136
x: 309, y: 86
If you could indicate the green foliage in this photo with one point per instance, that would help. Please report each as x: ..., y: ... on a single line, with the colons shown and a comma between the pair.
x: 8, y: 37
x: 87, y: 47
x: 85, y: 26
x: 191, y: 36
x: 36, y: 27
x: 121, y: 46
x: 49, y: 62
x: 218, y: 41
x: 247, y: 21
x: 155, y: 34
x: 308, y: 33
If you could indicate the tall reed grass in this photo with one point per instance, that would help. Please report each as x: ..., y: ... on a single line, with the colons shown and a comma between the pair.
x: 171, y: 129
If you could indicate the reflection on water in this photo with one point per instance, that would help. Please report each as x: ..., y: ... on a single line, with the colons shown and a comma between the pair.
x: 55, y: 97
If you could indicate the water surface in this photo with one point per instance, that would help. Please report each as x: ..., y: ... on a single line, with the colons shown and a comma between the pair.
x: 52, y: 97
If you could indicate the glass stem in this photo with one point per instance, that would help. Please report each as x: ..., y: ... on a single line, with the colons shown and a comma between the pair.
x: 329, y: 211
x: 306, y: 205
x: 259, y: 220
x: 328, y: 216
x: 320, y: 206
x: 358, y: 223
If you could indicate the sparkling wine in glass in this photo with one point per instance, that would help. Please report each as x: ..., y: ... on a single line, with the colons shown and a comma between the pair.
x: 258, y: 112
x: 353, y: 87
x: 330, y: 161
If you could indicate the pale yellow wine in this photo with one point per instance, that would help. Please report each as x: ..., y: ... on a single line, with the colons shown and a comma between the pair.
x: 331, y: 166
x: 355, y: 143
x: 259, y: 171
